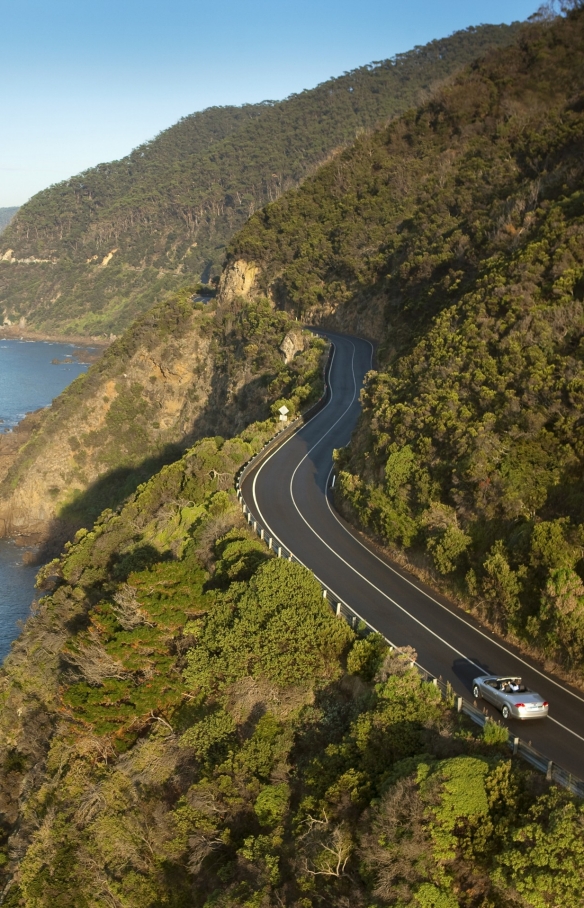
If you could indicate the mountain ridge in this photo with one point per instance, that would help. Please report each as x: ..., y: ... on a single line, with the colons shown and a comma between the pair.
x: 111, y: 242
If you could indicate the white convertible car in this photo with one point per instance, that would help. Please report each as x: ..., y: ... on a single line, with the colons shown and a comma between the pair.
x: 511, y: 696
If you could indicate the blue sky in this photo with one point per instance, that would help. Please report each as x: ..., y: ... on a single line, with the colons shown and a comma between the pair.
x: 86, y: 81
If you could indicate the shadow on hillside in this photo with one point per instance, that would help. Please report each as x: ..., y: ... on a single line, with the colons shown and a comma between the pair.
x: 225, y: 415
x: 392, y: 735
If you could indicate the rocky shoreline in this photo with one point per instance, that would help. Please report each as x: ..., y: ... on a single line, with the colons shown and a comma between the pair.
x: 14, y: 332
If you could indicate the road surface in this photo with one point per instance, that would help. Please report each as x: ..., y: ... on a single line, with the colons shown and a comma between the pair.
x: 288, y: 492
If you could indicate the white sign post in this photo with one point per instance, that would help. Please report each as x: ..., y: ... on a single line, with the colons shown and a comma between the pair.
x: 283, y: 411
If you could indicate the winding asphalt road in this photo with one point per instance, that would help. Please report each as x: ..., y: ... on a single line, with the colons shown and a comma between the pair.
x: 288, y: 492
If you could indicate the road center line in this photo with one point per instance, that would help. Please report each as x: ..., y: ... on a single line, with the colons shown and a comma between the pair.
x: 355, y: 571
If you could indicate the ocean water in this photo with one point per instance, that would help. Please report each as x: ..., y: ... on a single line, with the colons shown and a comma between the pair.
x: 28, y: 381
x: 28, y: 378
x: 17, y: 593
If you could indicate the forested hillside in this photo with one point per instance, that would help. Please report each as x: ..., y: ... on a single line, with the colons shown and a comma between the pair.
x: 6, y: 215
x: 456, y: 238
x: 90, y: 254
x: 184, y: 722
x: 184, y: 370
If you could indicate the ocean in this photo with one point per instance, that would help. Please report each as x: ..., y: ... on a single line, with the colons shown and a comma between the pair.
x: 28, y: 380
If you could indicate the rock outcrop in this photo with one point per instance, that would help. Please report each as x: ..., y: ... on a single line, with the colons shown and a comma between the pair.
x: 149, y: 400
x: 239, y: 279
x: 293, y: 343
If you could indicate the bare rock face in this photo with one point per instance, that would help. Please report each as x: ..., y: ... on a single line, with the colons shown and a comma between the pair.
x: 366, y: 317
x: 75, y: 447
x: 142, y: 402
x: 166, y: 392
x: 293, y: 343
x: 238, y: 279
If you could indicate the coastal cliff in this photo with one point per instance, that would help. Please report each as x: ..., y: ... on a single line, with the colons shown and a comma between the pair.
x: 453, y: 237
x: 183, y: 371
x: 184, y: 721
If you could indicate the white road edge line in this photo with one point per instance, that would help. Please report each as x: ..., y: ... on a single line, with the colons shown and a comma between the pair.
x: 565, y: 727
x: 431, y: 598
x: 372, y: 585
x: 458, y: 617
x: 355, y: 571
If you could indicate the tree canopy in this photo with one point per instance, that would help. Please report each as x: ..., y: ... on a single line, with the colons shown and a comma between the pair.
x: 455, y: 237
x: 93, y: 252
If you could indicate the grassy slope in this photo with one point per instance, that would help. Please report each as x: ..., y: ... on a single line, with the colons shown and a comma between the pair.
x: 170, y: 207
x: 458, y: 235
x: 184, y: 723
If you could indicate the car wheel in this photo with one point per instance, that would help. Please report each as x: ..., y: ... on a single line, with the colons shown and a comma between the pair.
x: 476, y: 692
x: 506, y: 712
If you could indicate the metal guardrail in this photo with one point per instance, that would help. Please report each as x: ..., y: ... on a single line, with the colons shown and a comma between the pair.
x: 518, y: 747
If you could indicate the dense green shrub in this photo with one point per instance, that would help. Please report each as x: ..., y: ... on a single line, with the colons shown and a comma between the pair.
x: 187, y: 734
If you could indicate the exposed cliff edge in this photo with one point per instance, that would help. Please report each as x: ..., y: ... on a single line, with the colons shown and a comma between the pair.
x: 338, y: 310
x: 182, y: 372
x: 239, y: 279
